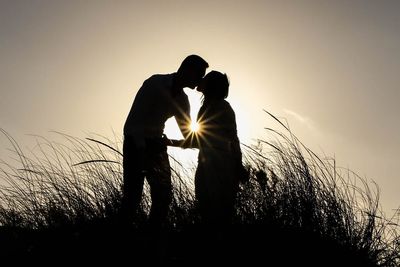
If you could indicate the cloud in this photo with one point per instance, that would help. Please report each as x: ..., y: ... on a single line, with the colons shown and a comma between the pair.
x: 308, y: 122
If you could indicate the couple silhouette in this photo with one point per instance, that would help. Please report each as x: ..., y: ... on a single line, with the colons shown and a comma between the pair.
x: 145, y: 146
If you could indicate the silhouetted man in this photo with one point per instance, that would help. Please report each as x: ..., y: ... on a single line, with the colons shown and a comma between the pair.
x: 145, y: 152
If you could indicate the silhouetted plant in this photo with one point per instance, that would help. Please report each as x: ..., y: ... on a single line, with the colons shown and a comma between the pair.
x: 290, y: 187
x: 61, y: 184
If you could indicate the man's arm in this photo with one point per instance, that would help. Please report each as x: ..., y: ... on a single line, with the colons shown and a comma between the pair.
x: 184, y: 125
x: 182, y: 117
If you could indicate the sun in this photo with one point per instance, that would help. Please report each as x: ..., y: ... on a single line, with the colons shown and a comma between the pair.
x: 194, y: 126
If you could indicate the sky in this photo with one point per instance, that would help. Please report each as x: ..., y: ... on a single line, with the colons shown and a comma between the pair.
x: 331, y: 69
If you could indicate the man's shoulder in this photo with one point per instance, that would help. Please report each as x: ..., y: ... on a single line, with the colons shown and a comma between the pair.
x: 160, y: 78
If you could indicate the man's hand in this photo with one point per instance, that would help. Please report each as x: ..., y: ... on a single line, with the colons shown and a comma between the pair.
x: 166, y: 140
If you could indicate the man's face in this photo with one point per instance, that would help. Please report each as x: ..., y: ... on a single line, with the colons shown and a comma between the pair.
x: 194, y: 77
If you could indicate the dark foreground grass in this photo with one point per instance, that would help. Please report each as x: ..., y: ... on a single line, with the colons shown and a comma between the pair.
x: 60, y: 205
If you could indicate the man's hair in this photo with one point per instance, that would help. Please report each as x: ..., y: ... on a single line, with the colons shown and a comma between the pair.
x: 193, y: 61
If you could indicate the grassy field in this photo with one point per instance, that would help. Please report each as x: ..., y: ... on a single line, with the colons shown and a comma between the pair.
x: 296, y: 209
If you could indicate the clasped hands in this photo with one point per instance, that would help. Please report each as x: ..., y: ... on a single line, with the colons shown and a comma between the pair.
x: 175, y: 142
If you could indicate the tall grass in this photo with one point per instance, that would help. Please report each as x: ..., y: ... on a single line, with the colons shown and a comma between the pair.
x: 78, y: 181
x: 60, y: 183
x: 293, y: 187
x: 74, y: 182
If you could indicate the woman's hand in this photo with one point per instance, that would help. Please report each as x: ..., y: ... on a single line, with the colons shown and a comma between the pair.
x: 172, y: 142
x: 177, y: 143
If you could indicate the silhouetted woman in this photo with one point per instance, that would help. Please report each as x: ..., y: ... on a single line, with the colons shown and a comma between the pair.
x: 220, y: 157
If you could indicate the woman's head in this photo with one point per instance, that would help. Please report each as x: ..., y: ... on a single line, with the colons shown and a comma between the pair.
x: 215, y: 85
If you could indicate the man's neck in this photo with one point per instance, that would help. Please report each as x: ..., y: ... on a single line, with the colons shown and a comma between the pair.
x: 177, y: 87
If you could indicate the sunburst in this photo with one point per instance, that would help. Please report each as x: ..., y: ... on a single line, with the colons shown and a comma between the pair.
x: 201, y: 130
x: 194, y: 127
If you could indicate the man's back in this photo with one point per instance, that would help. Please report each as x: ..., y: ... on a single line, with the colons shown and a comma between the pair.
x: 153, y: 105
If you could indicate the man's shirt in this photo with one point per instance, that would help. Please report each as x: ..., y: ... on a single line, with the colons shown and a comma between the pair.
x: 154, y: 105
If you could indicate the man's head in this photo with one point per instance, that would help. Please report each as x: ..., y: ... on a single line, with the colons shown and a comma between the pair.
x: 192, y: 70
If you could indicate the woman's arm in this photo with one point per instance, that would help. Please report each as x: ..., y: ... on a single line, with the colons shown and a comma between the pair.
x: 182, y: 143
x: 176, y: 143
